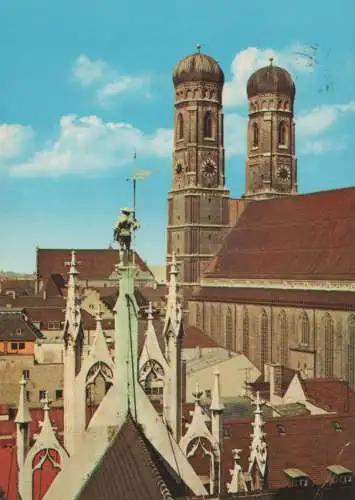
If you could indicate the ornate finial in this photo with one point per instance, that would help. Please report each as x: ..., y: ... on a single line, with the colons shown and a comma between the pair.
x: 46, y: 402
x: 197, y: 394
x: 99, y: 313
x: 271, y: 60
x: 236, y: 454
x: 198, y: 47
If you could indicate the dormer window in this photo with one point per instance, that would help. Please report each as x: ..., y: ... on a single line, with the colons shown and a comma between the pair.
x: 297, y: 478
x: 340, y: 474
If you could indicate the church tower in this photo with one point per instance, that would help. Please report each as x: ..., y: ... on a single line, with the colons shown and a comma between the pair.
x: 198, y: 202
x: 271, y: 166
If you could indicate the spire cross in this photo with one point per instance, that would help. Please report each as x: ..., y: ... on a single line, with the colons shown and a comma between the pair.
x: 72, y: 263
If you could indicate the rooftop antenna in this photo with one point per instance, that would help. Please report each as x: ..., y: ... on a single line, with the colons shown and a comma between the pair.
x: 137, y: 175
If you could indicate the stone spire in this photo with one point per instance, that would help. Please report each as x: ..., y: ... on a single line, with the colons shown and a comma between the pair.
x: 237, y: 484
x: 23, y: 419
x: 126, y: 338
x: 217, y: 408
x: 258, y: 450
x: 73, y: 340
x: 173, y: 334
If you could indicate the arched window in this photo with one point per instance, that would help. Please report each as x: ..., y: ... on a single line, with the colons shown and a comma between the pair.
x: 245, y: 323
x: 305, y: 336
x: 283, y: 328
x: 351, y: 351
x: 264, y: 345
x: 198, y: 315
x: 255, y: 132
x: 229, y: 330
x: 207, y: 125
x: 180, y: 126
x: 282, y: 134
x: 213, y: 321
x: 328, y: 335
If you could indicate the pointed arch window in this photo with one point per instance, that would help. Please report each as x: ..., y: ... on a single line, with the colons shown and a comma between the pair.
x: 180, y: 126
x: 328, y: 335
x: 305, y: 330
x: 229, y: 330
x: 245, y: 323
x: 255, y: 135
x: 351, y: 351
x: 213, y: 321
x: 283, y: 324
x: 282, y: 136
x: 198, y: 315
x: 264, y: 344
x: 207, y: 125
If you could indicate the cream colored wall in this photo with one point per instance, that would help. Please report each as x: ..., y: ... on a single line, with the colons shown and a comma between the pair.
x: 310, y: 358
x: 91, y: 303
x: 233, y: 373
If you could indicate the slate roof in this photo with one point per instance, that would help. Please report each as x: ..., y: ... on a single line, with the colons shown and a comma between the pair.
x: 132, y: 470
x: 296, y: 237
x: 92, y: 264
x: 14, y: 326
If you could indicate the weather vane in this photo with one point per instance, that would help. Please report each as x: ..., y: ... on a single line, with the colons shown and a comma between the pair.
x: 198, y: 46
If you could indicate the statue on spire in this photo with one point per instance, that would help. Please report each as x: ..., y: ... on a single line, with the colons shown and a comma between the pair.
x: 125, y: 226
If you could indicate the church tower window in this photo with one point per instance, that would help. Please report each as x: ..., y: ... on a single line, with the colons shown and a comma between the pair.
x: 328, y: 335
x: 255, y: 132
x: 229, y: 330
x: 207, y: 125
x: 245, y: 322
x: 282, y: 134
x: 198, y: 315
x: 305, y: 336
x: 180, y: 126
x: 283, y: 338
x: 351, y: 351
x: 264, y: 344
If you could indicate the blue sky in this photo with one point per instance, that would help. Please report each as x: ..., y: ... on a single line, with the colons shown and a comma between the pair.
x: 84, y: 83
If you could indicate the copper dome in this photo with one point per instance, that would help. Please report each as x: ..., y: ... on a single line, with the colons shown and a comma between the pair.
x: 271, y: 79
x: 198, y: 67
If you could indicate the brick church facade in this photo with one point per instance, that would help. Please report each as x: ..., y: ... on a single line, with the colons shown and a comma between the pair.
x: 271, y: 274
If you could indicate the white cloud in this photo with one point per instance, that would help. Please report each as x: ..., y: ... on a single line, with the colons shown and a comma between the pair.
x: 108, y: 83
x: 88, y: 144
x: 320, y: 119
x: 321, y: 146
x: 295, y: 59
x: 13, y: 140
x: 235, y: 127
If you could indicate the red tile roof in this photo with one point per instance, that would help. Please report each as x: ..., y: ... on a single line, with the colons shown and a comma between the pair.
x: 92, y: 264
x: 8, y: 472
x: 297, y: 237
x: 194, y: 337
x: 283, y: 297
x: 331, y: 395
x: 15, y: 326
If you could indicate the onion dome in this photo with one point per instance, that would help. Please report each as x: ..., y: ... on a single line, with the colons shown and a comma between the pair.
x: 198, y: 67
x: 271, y: 79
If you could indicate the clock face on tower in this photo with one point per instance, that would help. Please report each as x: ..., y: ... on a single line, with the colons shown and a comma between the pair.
x: 209, y: 168
x: 283, y: 173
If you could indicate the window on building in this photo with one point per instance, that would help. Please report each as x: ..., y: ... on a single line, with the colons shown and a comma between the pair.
x: 255, y: 133
x: 28, y: 396
x: 213, y: 321
x: 14, y: 346
x: 59, y: 394
x: 264, y: 344
x: 245, y: 321
x: 227, y: 432
x: 229, y: 330
x: 305, y: 335
x: 21, y: 346
x: 26, y: 374
x: 53, y: 325
x: 19, y: 331
x: 328, y: 335
x: 180, y: 126
x: 198, y: 315
x: 207, y: 125
x: 282, y: 134
x: 283, y: 338
x: 351, y: 351
x: 42, y: 394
